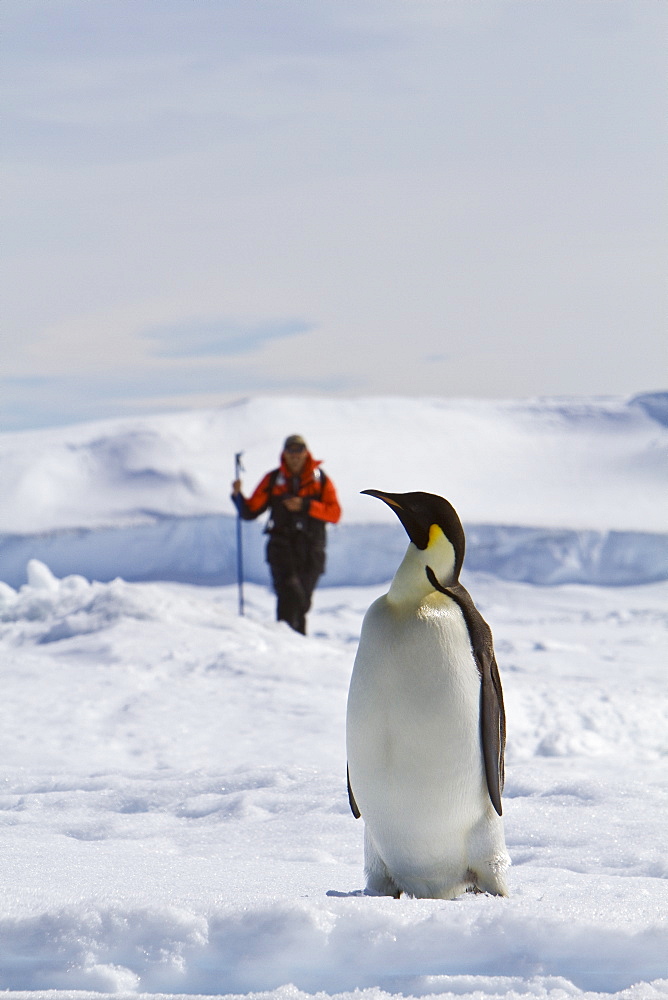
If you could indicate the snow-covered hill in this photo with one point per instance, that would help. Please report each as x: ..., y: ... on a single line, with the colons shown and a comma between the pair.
x: 173, y: 809
x: 550, y: 491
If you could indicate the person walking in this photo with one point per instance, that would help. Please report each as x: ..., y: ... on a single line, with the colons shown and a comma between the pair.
x: 301, y: 500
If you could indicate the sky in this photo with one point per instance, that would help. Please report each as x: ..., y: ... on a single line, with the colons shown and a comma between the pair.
x: 206, y: 200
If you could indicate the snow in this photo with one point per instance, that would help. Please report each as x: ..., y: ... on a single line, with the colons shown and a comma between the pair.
x: 550, y: 491
x: 173, y: 809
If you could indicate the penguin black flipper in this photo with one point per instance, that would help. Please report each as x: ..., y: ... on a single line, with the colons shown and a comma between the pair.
x: 492, y: 712
x: 354, y: 808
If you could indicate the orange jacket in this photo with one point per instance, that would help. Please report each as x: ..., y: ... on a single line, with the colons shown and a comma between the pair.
x: 320, y: 499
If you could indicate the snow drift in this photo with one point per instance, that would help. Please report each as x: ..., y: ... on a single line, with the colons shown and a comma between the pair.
x: 173, y: 809
x: 174, y: 818
x: 550, y: 491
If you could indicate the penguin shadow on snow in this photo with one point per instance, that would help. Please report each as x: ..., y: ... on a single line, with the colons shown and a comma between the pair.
x: 425, y: 730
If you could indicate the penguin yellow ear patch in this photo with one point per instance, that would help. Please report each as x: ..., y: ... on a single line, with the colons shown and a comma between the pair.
x: 436, y: 535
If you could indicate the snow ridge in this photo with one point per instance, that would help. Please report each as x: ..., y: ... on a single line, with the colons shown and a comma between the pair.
x: 550, y: 491
x: 202, y: 550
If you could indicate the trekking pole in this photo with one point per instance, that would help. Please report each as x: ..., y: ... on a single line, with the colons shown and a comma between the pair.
x: 238, y: 469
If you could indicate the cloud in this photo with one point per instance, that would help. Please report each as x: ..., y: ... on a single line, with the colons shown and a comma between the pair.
x: 219, y: 338
x: 450, y: 191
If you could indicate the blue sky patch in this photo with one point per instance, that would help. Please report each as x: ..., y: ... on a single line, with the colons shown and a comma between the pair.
x: 197, y: 338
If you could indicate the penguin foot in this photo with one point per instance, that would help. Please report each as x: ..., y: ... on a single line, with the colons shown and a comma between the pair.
x: 381, y: 885
x: 393, y: 893
x: 491, y: 884
x: 379, y: 882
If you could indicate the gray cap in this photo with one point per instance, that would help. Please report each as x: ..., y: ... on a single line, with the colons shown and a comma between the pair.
x: 294, y: 439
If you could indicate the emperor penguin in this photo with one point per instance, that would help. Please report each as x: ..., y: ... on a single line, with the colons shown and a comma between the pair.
x: 426, y: 724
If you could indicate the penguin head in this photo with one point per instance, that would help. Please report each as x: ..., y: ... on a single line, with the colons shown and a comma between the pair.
x: 434, y: 528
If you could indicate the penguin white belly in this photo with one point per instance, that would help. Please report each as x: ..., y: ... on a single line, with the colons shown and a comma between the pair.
x: 414, y: 753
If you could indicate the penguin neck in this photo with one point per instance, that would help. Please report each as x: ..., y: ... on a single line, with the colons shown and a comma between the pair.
x: 410, y: 585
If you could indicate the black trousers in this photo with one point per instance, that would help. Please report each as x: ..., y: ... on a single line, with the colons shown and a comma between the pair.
x: 296, y: 563
x: 294, y: 592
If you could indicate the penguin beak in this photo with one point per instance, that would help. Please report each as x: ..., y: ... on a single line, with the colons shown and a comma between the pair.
x: 392, y: 499
x: 416, y: 530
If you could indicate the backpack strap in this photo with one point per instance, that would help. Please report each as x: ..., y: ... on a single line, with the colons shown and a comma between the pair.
x: 319, y: 475
x: 273, y: 476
